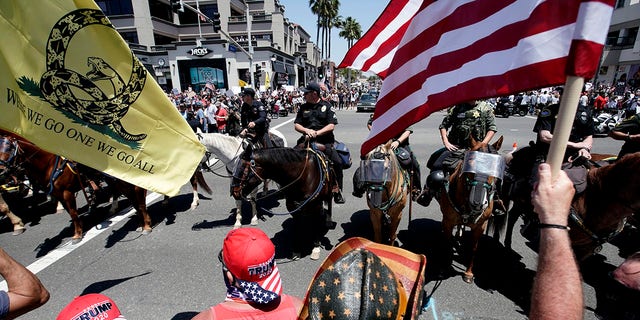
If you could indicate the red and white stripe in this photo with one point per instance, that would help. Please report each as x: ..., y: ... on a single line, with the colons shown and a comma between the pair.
x: 273, y: 282
x: 375, y: 50
x: 461, y: 50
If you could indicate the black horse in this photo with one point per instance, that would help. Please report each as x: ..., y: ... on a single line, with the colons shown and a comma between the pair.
x: 305, y: 180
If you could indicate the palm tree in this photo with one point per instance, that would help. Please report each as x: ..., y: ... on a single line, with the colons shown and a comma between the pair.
x: 326, y: 11
x: 351, y: 31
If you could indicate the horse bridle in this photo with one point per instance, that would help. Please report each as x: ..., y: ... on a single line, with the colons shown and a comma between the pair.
x: 384, y: 207
x: 8, y: 146
x: 250, y: 164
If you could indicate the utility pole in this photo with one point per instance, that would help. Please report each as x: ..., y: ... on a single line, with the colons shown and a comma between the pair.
x: 255, y: 85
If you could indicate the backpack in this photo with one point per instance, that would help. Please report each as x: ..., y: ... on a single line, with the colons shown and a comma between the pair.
x: 344, y: 154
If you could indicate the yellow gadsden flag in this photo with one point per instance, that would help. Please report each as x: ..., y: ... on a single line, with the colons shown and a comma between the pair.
x: 71, y: 85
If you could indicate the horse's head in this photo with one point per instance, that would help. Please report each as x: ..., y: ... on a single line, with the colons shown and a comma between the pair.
x: 476, y: 178
x: 244, y: 178
x: 8, y: 152
x: 379, y: 172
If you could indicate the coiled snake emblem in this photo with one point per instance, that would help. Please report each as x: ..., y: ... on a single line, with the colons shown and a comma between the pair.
x: 57, y: 82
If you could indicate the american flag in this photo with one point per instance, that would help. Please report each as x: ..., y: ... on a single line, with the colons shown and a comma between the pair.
x: 375, y: 50
x: 460, y: 50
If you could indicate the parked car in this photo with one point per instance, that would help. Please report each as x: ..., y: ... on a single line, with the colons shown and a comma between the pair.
x: 367, y: 103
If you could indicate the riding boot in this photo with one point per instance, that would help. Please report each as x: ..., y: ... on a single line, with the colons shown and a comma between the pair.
x: 337, y: 198
x: 337, y: 195
x: 424, y: 199
x: 416, y: 191
x: 358, y: 187
x: 499, y: 208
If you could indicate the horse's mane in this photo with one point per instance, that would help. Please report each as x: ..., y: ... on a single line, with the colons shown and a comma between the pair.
x: 620, y: 173
x: 222, y: 145
x: 281, y: 155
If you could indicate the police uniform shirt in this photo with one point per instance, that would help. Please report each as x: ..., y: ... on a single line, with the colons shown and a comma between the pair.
x: 255, y: 113
x: 467, y: 119
x: 629, y: 125
x: 316, y: 116
x: 582, y: 126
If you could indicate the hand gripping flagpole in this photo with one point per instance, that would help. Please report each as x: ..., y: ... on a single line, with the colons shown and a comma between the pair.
x: 564, y: 122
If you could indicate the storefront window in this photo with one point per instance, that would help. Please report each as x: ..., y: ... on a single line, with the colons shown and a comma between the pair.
x: 200, y: 76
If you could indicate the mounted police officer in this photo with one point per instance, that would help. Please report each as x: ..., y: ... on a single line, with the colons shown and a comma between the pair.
x: 253, y: 117
x: 406, y: 158
x: 316, y: 121
x: 462, y: 122
x: 580, y: 139
x: 522, y: 168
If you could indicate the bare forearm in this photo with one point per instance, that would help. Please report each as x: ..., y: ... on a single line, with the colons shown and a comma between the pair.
x: 26, y: 292
x: 557, y: 290
x: 488, y: 137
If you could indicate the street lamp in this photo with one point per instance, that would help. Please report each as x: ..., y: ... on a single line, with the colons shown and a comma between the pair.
x: 273, y: 70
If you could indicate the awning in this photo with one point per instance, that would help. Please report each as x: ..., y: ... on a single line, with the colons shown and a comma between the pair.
x: 279, y: 67
x: 290, y: 69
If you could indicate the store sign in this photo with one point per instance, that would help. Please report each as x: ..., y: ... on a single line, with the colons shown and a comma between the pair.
x: 199, y: 51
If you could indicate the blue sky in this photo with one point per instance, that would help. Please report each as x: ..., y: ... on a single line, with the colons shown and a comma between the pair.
x: 364, y: 11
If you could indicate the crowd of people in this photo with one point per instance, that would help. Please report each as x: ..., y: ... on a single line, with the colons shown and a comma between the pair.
x: 219, y: 111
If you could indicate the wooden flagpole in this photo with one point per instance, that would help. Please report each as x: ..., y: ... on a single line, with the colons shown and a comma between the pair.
x: 564, y: 122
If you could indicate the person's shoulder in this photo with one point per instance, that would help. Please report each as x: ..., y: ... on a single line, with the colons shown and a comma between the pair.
x: 548, y: 112
x: 483, y: 106
x: 295, y: 301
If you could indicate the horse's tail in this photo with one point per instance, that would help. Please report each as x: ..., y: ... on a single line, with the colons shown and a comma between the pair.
x: 497, y: 225
x: 278, y: 138
x: 202, y: 182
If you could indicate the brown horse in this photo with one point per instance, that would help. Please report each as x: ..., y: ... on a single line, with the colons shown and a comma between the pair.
x: 305, y: 181
x: 598, y: 213
x: 18, y: 225
x: 467, y: 200
x: 387, y: 196
x: 62, y: 179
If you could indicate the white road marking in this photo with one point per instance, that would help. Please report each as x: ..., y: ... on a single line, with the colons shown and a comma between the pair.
x: 282, y: 124
x: 68, y: 247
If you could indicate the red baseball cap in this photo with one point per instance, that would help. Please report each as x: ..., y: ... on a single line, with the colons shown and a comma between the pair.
x: 91, y: 306
x: 249, y: 255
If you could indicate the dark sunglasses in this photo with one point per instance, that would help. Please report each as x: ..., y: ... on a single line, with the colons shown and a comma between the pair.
x: 224, y: 266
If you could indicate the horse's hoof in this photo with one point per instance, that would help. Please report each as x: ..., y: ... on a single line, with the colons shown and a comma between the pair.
x: 75, y: 240
x: 193, y: 207
x: 315, y: 254
x: 143, y: 231
x: 19, y: 231
x: 467, y: 278
x: 237, y: 225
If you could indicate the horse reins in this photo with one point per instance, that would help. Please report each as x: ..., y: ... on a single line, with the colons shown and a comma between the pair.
x: 308, y: 199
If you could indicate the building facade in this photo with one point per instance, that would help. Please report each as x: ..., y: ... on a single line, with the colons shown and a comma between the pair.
x: 182, y: 49
x: 621, y: 57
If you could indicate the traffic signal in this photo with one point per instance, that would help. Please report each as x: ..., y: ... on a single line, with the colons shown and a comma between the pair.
x: 176, y: 5
x: 216, y: 21
x: 258, y: 73
x: 320, y: 72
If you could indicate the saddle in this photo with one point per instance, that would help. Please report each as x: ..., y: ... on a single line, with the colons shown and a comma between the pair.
x: 326, y: 160
x: 521, y: 169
